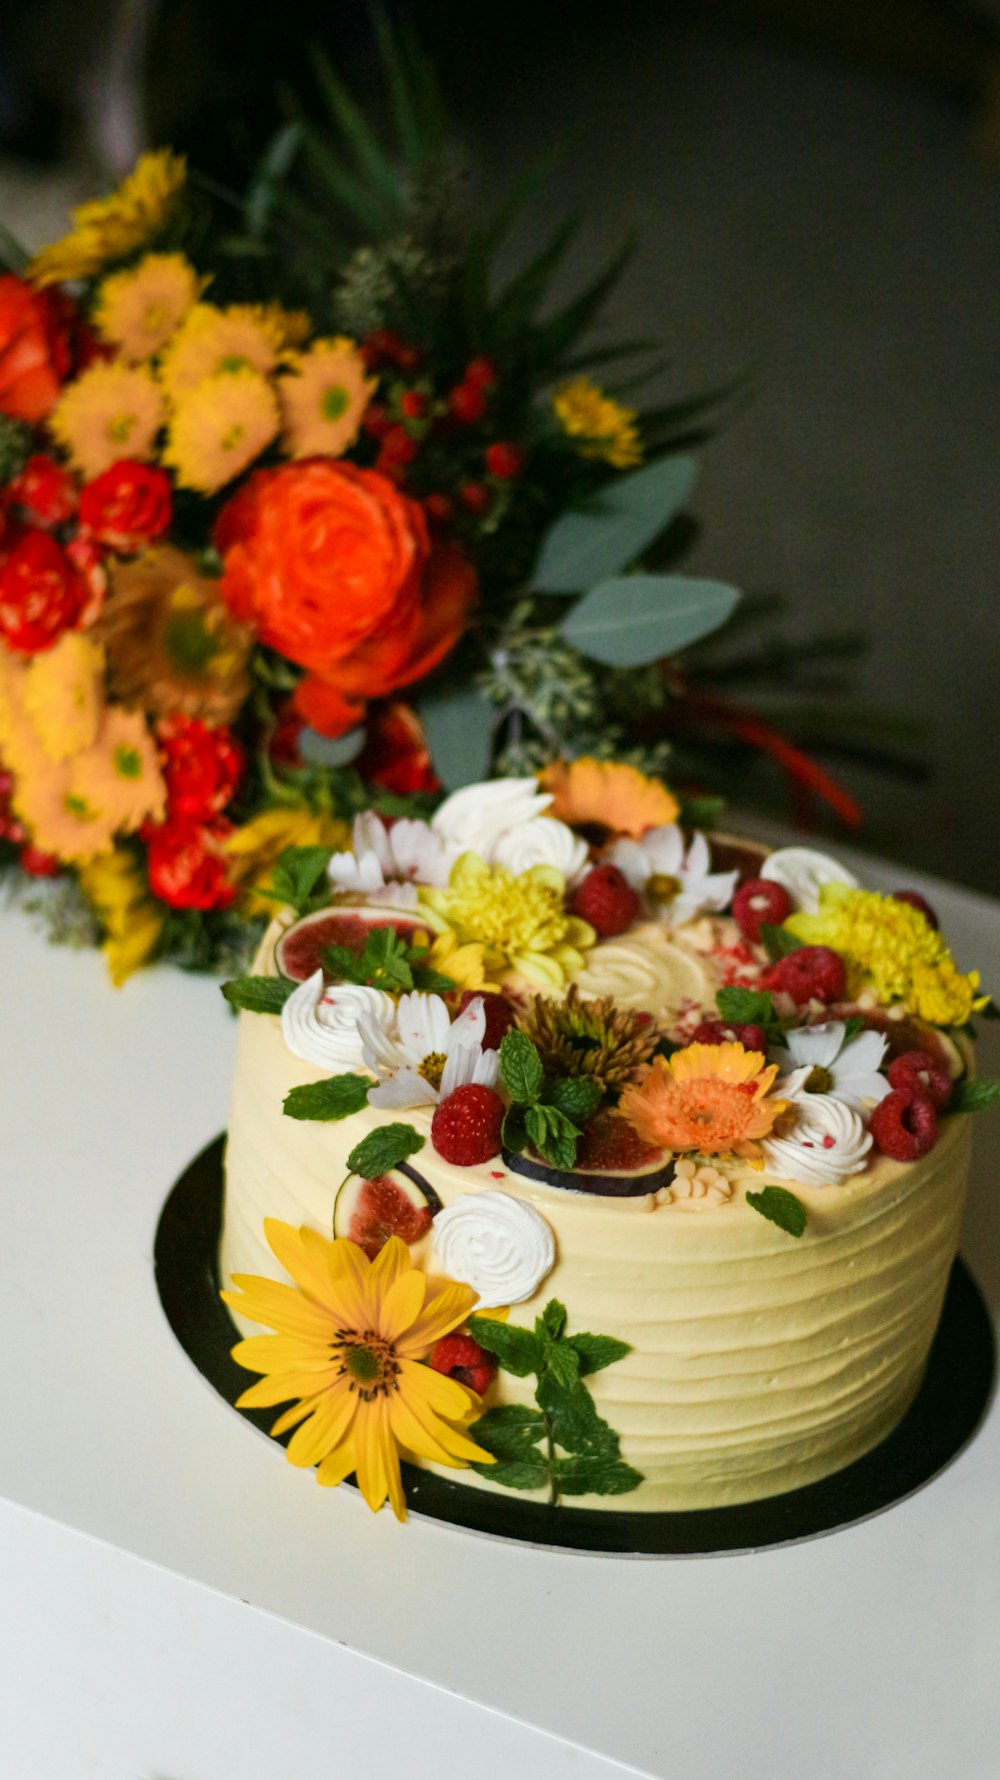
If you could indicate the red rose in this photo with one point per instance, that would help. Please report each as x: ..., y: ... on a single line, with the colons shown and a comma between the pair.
x: 395, y: 753
x: 41, y: 594
x: 35, y: 353
x: 45, y: 490
x: 127, y: 505
x: 88, y: 560
x: 186, y: 867
x: 202, y: 766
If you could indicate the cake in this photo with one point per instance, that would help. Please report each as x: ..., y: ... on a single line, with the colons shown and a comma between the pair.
x: 682, y: 1114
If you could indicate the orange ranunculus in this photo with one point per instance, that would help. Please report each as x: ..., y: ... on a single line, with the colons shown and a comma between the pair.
x: 34, y: 351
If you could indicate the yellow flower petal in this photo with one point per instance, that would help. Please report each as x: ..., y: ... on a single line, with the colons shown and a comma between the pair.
x: 443, y: 1310
x: 316, y: 1438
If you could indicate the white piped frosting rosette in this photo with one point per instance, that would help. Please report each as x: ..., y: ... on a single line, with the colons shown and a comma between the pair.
x: 542, y: 841
x: 802, y: 871
x: 825, y: 1143
x: 474, y: 818
x: 320, y: 1021
x: 499, y: 1246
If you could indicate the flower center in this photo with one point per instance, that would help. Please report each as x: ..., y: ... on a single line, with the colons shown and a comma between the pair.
x: 120, y: 427
x: 819, y: 1080
x: 233, y: 362
x: 431, y: 1067
x: 370, y: 1362
x: 662, y: 888
x: 128, y: 762
x: 231, y: 439
x: 335, y: 401
x: 154, y: 317
x: 78, y: 807
x: 188, y: 642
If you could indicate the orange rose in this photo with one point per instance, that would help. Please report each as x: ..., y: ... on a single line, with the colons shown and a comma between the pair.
x: 34, y: 351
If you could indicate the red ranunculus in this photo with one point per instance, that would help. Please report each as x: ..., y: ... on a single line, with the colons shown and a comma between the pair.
x: 45, y: 490
x: 395, y: 753
x: 202, y: 766
x: 41, y: 594
x: 127, y: 505
x: 186, y: 866
x: 35, y: 353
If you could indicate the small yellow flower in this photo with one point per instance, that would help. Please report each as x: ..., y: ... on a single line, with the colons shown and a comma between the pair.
x: 139, y: 309
x: 518, y: 918
x: 64, y: 695
x: 323, y: 398
x: 219, y: 428
x: 465, y: 965
x: 289, y: 328
x: 602, y: 426
x: 893, y: 949
x: 106, y: 229
x: 120, y: 773
x: 111, y: 411
x: 213, y: 341
x: 133, y: 920
x: 61, y: 819
x: 254, y: 849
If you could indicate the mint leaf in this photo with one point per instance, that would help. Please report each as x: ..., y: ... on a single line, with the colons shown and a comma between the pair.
x: 513, y: 1132
x: 517, y: 1350
x: 516, y: 1474
x: 510, y: 1431
x: 780, y: 1207
x: 777, y: 941
x: 432, y: 982
x: 852, y: 1027
x: 701, y: 812
x: 384, y: 961
x: 383, y: 1149
x: 595, y: 1475
x: 297, y: 874
x: 573, y: 1418
x: 258, y: 995
x: 553, y: 1318
x: 520, y: 1067
x: 563, y: 1365
x: 746, y: 1007
x: 597, y: 1351
x: 554, y: 1136
x: 974, y: 1096
x: 342, y: 964
x: 578, y: 1096
x: 333, y: 1099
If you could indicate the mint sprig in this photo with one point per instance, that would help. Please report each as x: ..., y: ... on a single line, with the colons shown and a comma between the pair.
x: 297, y: 876
x: 777, y: 941
x: 780, y: 1207
x: 337, y: 1098
x: 749, y: 1007
x: 384, y: 1149
x: 563, y: 1444
x: 545, y: 1112
x: 258, y: 995
x: 385, y: 962
x: 974, y: 1096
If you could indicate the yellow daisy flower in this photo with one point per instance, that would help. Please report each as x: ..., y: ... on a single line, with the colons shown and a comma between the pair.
x: 61, y: 819
x: 602, y: 426
x: 139, y: 309
x: 111, y: 411
x: 120, y: 773
x: 352, y: 1338
x: 712, y: 1098
x: 254, y: 849
x: 288, y: 328
x: 323, y: 399
x: 64, y: 695
x: 891, y: 948
x: 211, y: 341
x: 18, y: 742
x: 133, y: 921
x: 106, y: 229
x: 219, y: 428
x: 518, y: 918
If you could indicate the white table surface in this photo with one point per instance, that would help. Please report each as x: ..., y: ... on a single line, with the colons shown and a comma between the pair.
x: 181, y: 1604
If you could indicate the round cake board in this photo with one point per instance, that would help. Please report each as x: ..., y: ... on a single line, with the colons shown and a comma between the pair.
x: 943, y: 1417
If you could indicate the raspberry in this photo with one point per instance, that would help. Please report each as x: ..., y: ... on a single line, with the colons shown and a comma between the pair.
x: 458, y: 1356
x: 499, y: 1013
x: 465, y: 1128
x: 758, y: 901
x: 467, y: 403
x: 810, y: 973
x: 504, y: 460
x: 904, y: 1126
x: 916, y: 901
x: 718, y: 1032
x: 606, y: 899
x: 917, y: 1072
x: 413, y: 404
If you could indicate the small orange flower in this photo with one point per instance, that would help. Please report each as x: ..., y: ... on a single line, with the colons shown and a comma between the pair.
x: 712, y: 1098
x: 604, y: 795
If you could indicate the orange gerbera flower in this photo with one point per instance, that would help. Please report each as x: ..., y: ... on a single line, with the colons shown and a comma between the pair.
x: 603, y: 795
x: 712, y: 1098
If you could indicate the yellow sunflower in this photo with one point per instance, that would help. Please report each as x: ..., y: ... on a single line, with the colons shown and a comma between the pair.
x: 106, y: 229
x: 712, y: 1098
x: 352, y: 1336
x: 323, y: 398
x: 171, y: 643
x: 519, y: 919
x: 139, y: 309
x: 219, y: 427
x: 212, y: 341
x: 133, y: 921
x: 110, y: 411
x: 64, y: 695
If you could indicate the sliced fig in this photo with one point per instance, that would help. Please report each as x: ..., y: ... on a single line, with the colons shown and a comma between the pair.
x: 612, y: 1160
x: 401, y: 1203
x: 299, y: 951
x: 909, y: 1034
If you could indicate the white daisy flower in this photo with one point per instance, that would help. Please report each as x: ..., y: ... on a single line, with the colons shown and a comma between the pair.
x: 427, y: 1055
x: 679, y: 885
x: 473, y: 819
x: 820, y: 1141
x: 815, y: 1060
x: 387, y: 863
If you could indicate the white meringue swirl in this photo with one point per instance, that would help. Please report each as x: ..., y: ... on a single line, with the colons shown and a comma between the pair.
x: 320, y: 1021
x: 826, y: 1143
x: 802, y: 871
x: 471, y: 819
x: 499, y: 1246
x: 542, y: 841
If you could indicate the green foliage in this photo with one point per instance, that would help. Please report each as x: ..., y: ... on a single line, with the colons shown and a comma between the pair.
x: 383, y: 1149
x: 777, y: 941
x: 258, y: 995
x: 780, y: 1207
x: 610, y: 531
x: 974, y: 1096
x: 749, y: 1007
x: 337, y: 1098
x: 634, y: 619
x: 547, y: 1112
x: 299, y: 879
x: 386, y: 962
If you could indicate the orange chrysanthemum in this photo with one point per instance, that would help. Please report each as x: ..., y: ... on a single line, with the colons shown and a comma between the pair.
x: 712, y: 1098
x: 603, y: 795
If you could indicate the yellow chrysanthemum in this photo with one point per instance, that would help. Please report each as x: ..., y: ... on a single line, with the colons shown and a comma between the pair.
x: 890, y: 947
x: 465, y: 965
x: 60, y: 818
x: 139, y: 309
x: 289, y: 328
x: 19, y: 745
x: 323, y: 398
x: 519, y: 919
x: 111, y: 411
x: 253, y: 849
x: 712, y: 1098
x: 120, y: 773
x: 219, y: 428
x: 133, y: 921
x: 601, y: 426
x: 213, y: 341
x: 63, y: 694
x: 352, y: 1337
x: 106, y: 229
x: 608, y: 797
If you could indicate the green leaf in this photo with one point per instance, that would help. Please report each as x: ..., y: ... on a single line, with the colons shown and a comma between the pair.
x: 852, y: 1027
x: 575, y: 1423
x: 554, y: 1318
x: 516, y: 1474
x: 383, y: 1149
x: 432, y: 982
x: 297, y: 873
x: 607, y: 534
x: 634, y: 619
x: 513, y: 1132
x: 777, y: 941
x: 343, y: 964
x: 510, y: 1431
x: 517, y: 1350
x: 258, y: 995
x: 333, y: 1099
x: 597, y: 1351
x: 554, y: 1135
x: 701, y: 812
x: 458, y: 726
x: 780, y: 1207
x: 578, y: 1096
x: 594, y: 1475
x: 974, y: 1096
x: 385, y: 960
x: 520, y: 1067
x: 364, y: 146
x: 563, y: 1365
x: 273, y: 168
x: 746, y: 1007
x: 990, y: 1012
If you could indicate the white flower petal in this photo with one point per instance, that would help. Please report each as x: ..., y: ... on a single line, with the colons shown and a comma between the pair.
x: 631, y: 860
x: 423, y: 1024
x: 818, y: 1045
x: 469, y: 1028
x: 469, y: 1063
x: 664, y: 848
x: 405, y: 1088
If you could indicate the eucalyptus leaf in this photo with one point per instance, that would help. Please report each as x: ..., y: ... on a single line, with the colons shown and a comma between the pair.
x: 457, y: 725
x: 634, y: 619
x: 614, y: 527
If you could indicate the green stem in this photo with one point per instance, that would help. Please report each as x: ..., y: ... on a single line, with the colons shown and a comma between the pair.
x: 550, y: 1448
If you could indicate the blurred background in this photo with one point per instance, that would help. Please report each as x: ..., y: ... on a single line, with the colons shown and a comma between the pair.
x: 815, y: 189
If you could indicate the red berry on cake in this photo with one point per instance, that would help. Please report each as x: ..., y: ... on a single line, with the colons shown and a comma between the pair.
x: 607, y: 900
x: 904, y: 1126
x: 721, y: 1032
x: 458, y: 1356
x: 812, y: 973
x: 757, y: 903
x: 917, y: 1072
x: 500, y: 1015
x: 916, y: 901
x: 465, y: 1128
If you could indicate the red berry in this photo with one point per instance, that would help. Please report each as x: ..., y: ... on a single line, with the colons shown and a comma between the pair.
x: 481, y: 372
x: 467, y: 403
x: 476, y: 497
x: 504, y: 460
x: 759, y: 901
x: 606, y: 899
x: 413, y: 404
x: 458, y: 1356
x: 719, y: 1032
x: 813, y: 973
x: 398, y: 447
x: 916, y: 901
x: 39, y: 864
x: 465, y: 1128
x: 904, y: 1126
x: 500, y: 1016
x: 917, y: 1072
x: 376, y: 421
x: 438, y: 508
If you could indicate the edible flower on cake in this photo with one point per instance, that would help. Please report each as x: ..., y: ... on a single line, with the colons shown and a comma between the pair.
x: 385, y: 863
x: 802, y: 873
x: 605, y: 798
x: 677, y: 882
x: 823, y: 1060
x: 422, y: 1055
x: 519, y: 918
x: 712, y: 1098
